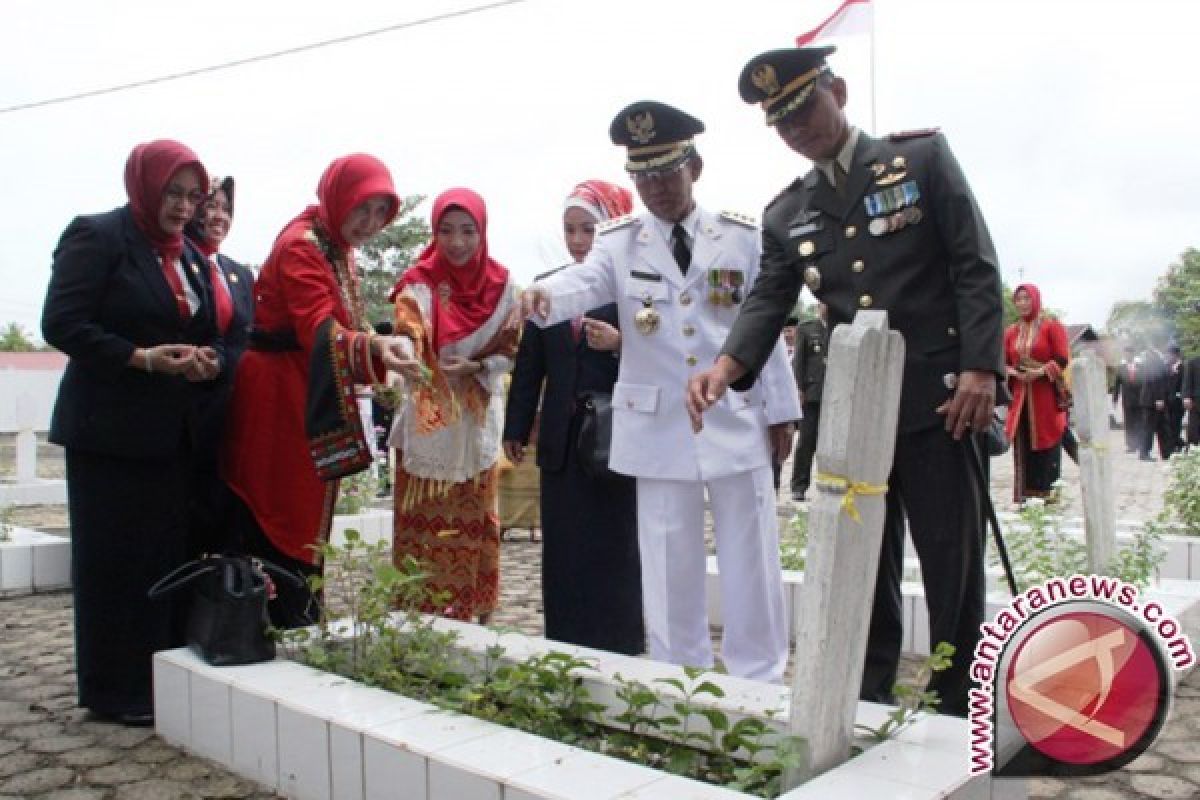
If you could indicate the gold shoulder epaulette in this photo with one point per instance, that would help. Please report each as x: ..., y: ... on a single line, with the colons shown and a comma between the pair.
x: 740, y: 218
x: 615, y: 224
x: 900, y: 136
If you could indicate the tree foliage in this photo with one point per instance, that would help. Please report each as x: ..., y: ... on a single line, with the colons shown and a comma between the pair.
x: 1177, y: 300
x: 14, y: 339
x: 384, y: 258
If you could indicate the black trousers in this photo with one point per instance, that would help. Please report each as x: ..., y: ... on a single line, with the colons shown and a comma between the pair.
x: 932, y: 485
x: 1154, y: 425
x: 806, y: 448
x: 294, y: 606
x: 129, y: 527
x: 1131, y: 412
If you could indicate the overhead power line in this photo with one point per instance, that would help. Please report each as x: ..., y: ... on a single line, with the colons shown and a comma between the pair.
x: 242, y: 62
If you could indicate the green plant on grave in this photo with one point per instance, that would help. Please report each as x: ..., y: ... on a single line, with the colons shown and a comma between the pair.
x: 793, y: 544
x: 1036, y: 547
x: 1138, y: 562
x: 1181, y: 499
x: 663, y: 733
x: 355, y: 492
x: 913, y: 698
x: 406, y: 652
x: 1039, y: 551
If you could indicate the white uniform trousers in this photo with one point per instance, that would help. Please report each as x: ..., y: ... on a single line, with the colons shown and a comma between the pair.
x: 671, y: 540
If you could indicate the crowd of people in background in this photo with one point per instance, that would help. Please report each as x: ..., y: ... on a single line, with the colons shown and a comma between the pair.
x: 208, y: 409
x: 1155, y: 388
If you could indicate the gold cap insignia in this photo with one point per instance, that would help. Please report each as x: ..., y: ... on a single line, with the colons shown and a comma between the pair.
x: 765, y: 79
x: 641, y: 127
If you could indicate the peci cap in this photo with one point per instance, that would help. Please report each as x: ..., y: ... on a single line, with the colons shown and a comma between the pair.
x: 658, y: 137
x: 781, y: 80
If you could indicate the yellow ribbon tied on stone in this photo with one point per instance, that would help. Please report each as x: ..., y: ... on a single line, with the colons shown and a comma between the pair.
x: 1099, y: 447
x: 838, y: 484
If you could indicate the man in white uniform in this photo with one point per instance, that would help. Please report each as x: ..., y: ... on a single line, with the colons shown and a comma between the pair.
x: 678, y: 276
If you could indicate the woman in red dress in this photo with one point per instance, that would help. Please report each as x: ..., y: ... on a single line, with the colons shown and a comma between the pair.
x: 1036, y: 352
x: 457, y: 306
x: 294, y: 426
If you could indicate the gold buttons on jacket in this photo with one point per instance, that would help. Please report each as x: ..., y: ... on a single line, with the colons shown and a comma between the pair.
x: 688, y: 330
x: 691, y: 361
x: 858, y: 266
x: 851, y: 231
x: 951, y: 331
x: 685, y: 299
x: 806, y: 249
x: 865, y: 301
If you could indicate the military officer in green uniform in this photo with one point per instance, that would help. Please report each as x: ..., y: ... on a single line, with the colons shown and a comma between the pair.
x: 886, y: 224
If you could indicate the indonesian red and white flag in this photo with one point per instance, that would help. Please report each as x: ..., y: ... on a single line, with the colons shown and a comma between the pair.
x: 851, y: 17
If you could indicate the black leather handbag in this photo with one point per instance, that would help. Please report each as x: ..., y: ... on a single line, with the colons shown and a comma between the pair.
x: 594, y: 441
x: 227, y: 619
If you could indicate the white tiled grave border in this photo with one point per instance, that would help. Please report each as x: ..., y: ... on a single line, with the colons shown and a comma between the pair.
x: 1179, y: 599
x: 373, y: 525
x: 32, y: 561
x: 311, y: 734
x: 38, y: 492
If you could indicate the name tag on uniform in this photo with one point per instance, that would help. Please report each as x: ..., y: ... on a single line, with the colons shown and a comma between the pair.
x: 804, y: 229
x: 645, y: 276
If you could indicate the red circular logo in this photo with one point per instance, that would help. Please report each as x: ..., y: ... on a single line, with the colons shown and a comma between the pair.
x: 1085, y: 688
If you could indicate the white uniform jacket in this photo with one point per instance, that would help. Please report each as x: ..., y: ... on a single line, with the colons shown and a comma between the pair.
x: 631, y: 264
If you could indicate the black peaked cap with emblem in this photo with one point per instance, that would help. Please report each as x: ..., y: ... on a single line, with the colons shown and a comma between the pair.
x: 781, y: 80
x: 657, y: 136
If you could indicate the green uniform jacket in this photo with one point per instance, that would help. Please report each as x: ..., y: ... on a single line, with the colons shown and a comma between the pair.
x: 932, y: 268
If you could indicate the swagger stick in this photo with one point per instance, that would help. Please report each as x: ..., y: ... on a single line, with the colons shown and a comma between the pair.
x: 976, y: 458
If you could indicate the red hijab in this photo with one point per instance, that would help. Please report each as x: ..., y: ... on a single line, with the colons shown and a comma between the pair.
x: 149, y: 169
x: 474, y: 289
x: 1035, y: 297
x: 345, y: 184
x: 610, y: 200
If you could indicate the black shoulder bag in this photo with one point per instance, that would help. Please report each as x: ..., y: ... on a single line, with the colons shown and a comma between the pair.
x: 227, y: 620
x: 594, y: 441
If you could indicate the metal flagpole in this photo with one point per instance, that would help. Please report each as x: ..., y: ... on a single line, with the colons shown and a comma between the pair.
x: 874, y: 121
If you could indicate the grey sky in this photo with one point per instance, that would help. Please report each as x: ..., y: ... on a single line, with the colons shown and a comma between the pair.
x: 1077, y: 122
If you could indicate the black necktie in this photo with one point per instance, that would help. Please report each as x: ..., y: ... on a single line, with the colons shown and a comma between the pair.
x: 680, y: 249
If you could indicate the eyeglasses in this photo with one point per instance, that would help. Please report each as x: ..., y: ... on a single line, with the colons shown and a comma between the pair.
x: 658, y: 175
x: 177, y: 194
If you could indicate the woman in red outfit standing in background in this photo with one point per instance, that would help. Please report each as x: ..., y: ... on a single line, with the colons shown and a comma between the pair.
x: 294, y: 427
x: 1036, y: 352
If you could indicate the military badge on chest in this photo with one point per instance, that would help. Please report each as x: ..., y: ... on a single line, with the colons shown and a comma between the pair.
x: 725, y: 287
x: 647, y: 319
x: 895, y: 205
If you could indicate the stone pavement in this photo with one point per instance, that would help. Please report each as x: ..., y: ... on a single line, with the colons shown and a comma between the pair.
x: 51, y: 750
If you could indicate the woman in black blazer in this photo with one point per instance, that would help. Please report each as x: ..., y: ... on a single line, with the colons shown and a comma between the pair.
x: 233, y: 295
x: 591, y: 571
x: 132, y: 306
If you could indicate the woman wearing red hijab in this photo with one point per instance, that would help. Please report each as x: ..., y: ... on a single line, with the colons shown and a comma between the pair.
x: 591, y: 571
x: 293, y: 428
x: 233, y: 296
x: 1036, y: 352
x: 132, y: 307
x: 457, y: 307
